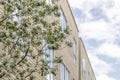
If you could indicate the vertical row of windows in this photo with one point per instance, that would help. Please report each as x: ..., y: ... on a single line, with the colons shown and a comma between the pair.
x: 64, y: 73
x: 63, y: 23
x: 49, y: 52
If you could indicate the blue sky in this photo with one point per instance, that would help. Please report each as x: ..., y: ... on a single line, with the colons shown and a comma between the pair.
x: 99, y: 25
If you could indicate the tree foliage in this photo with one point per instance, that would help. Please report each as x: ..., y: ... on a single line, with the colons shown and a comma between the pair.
x: 26, y: 28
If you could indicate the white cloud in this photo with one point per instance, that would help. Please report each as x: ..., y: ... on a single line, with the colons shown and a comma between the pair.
x: 113, y: 13
x: 100, y: 66
x: 109, y: 49
x: 76, y: 3
x: 104, y: 77
x: 85, y: 4
x: 110, y: 7
x: 98, y: 30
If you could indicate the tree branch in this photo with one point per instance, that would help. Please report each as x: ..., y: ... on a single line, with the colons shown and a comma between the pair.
x: 29, y: 74
x: 37, y: 61
x: 23, y: 57
x: 26, y: 53
x: 7, y: 17
x: 3, y: 19
x: 34, y: 67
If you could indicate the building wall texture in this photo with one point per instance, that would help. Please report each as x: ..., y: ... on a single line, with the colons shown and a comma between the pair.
x: 86, y: 71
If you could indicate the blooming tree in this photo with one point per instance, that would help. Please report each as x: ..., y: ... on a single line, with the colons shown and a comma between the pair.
x: 27, y: 29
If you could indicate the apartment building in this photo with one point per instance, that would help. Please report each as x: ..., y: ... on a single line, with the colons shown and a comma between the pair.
x: 76, y: 65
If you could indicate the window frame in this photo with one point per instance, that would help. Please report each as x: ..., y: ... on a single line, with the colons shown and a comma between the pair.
x: 75, y: 52
x: 64, y: 72
x: 63, y: 18
x: 83, y: 67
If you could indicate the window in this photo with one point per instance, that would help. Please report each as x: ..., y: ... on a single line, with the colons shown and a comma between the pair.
x: 51, y: 64
x: 64, y: 73
x: 89, y: 76
x: 63, y: 21
x: 75, y: 52
x: 50, y: 58
x: 83, y: 67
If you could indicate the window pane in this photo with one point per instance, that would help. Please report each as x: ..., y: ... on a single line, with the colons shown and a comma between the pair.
x: 51, y: 58
x: 74, y: 52
x: 66, y: 74
x: 62, y: 73
x: 63, y: 21
x: 50, y: 77
x: 83, y: 67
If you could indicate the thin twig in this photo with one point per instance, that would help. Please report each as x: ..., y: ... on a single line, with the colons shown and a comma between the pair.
x: 34, y: 67
x: 23, y: 57
x: 37, y: 61
x: 3, y: 19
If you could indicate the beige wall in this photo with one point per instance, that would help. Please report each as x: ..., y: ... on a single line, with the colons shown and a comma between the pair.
x: 89, y: 73
x: 67, y: 52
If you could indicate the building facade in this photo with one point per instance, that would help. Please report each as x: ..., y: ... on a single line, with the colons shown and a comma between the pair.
x: 86, y: 71
x: 76, y: 65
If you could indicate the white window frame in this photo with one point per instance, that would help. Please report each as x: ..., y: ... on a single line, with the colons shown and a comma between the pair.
x: 75, y: 51
x: 63, y: 19
x: 83, y: 67
x: 64, y: 72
